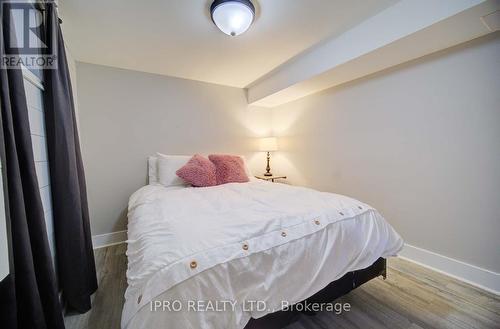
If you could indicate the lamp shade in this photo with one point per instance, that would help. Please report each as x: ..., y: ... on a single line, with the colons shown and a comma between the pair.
x: 233, y: 17
x: 268, y: 144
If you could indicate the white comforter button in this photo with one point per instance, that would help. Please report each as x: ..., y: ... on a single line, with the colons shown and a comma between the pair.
x: 193, y: 264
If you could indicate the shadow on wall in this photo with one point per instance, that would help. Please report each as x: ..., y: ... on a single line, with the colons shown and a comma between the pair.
x: 284, y: 163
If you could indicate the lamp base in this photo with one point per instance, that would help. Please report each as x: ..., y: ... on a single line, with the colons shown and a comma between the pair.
x: 268, y: 167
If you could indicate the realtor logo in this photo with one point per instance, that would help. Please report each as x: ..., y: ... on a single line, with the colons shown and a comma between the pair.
x: 24, y: 44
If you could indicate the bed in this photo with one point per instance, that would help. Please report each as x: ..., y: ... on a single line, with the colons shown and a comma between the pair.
x: 246, y: 249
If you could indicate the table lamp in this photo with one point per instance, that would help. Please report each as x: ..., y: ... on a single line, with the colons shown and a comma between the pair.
x: 268, y: 145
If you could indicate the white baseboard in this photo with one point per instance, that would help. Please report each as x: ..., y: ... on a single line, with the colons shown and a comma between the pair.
x: 109, y: 239
x: 474, y: 275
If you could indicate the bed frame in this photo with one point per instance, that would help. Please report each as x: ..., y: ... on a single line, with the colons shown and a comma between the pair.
x: 334, y: 290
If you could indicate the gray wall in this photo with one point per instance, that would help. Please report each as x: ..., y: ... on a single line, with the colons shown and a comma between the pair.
x: 420, y: 142
x: 125, y: 116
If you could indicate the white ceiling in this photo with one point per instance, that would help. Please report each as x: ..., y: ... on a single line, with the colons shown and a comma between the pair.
x: 177, y: 37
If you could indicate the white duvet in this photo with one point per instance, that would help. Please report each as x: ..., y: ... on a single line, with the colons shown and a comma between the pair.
x: 233, y: 244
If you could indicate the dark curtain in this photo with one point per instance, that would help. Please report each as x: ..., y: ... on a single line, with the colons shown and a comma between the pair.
x: 75, y: 257
x: 28, y: 296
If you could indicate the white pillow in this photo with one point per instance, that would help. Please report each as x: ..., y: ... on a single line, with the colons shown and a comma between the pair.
x: 152, y: 170
x: 153, y: 167
x: 167, y: 165
x: 247, y: 169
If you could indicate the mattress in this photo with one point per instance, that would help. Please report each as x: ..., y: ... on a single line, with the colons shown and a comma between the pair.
x: 215, y: 257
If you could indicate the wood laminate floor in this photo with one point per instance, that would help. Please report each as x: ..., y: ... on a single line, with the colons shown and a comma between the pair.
x: 411, y: 297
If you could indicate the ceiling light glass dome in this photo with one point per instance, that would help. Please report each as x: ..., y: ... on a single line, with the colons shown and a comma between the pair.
x: 233, y: 17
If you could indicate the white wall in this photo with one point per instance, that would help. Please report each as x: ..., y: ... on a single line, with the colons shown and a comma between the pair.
x: 125, y: 116
x: 420, y: 142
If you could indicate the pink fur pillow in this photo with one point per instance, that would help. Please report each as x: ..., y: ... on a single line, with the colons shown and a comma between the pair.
x: 198, y: 171
x: 229, y: 168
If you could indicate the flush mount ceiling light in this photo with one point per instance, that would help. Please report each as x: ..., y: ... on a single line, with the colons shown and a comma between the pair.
x: 233, y: 17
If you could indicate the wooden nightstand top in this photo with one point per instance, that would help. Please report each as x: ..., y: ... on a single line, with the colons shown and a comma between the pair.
x: 270, y: 178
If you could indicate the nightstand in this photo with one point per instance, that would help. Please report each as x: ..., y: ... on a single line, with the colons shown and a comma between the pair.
x: 270, y: 178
